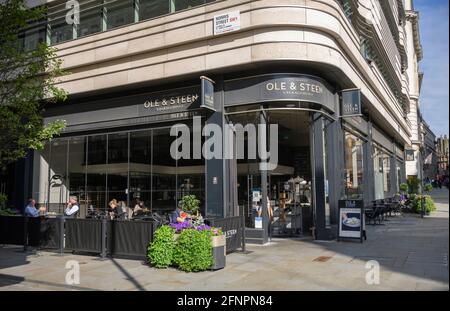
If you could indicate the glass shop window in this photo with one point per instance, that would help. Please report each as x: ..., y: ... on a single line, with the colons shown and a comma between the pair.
x: 354, y: 169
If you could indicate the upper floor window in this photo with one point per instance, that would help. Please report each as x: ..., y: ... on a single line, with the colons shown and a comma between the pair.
x: 346, y: 7
x: 31, y: 37
x: 153, y: 8
x: 96, y: 16
x: 119, y: 13
x: 91, y: 18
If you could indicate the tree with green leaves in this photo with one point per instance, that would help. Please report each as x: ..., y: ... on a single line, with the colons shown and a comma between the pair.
x: 27, y: 84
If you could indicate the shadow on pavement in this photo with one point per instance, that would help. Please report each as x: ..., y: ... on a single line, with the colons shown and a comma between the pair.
x: 13, y: 256
x: 8, y: 280
x: 404, y: 244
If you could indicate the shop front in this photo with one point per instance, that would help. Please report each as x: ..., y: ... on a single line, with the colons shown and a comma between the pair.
x: 291, y: 198
x: 292, y: 156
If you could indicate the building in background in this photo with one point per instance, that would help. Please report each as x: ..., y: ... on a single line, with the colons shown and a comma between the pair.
x: 414, y: 155
x: 442, y: 150
x: 134, y: 72
x: 429, y: 154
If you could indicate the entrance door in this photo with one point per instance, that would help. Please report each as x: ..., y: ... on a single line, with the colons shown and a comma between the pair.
x: 290, y: 184
x: 249, y: 198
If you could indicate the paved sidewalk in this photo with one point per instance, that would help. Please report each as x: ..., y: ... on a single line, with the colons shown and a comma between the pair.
x: 412, y: 253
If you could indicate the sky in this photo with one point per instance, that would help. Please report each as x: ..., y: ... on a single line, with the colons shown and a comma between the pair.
x: 434, y: 33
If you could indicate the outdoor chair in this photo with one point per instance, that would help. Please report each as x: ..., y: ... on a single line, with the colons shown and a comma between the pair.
x: 381, y: 209
x: 373, y: 213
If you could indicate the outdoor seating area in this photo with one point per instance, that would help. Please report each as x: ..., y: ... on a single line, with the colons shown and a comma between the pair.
x: 380, y: 210
x: 98, y: 237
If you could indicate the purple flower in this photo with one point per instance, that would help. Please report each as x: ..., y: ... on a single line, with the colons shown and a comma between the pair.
x: 203, y: 228
x: 180, y: 226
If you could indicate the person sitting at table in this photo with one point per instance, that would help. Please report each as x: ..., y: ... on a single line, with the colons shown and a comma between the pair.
x: 72, y: 208
x: 138, y: 208
x: 176, y: 216
x: 30, y: 209
x: 112, y: 209
x: 122, y: 210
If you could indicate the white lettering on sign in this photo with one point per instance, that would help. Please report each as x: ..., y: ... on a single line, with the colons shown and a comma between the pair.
x: 168, y: 103
x: 294, y: 87
x: 230, y: 233
x: 227, y: 22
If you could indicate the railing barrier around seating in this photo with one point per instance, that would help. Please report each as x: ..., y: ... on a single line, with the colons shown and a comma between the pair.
x: 98, y: 236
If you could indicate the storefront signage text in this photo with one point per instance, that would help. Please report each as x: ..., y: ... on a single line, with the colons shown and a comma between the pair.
x: 294, y: 87
x: 279, y: 88
x: 167, y: 103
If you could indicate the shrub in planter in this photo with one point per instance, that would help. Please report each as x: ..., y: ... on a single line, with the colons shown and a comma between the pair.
x: 428, y: 188
x: 190, y: 204
x: 193, y: 251
x: 427, y: 200
x: 160, y: 251
x: 404, y: 187
x: 413, y: 184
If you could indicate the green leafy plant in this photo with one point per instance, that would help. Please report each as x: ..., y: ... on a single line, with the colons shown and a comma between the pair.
x: 29, y: 77
x: 161, y: 250
x: 190, y: 204
x: 7, y: 212
x: 193, y: 251
x: 413, y: 184
x: 404, y: 187
x: 421, y: 201
x: 428, y: 188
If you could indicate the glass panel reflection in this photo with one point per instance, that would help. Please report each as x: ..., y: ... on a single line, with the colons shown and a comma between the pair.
x: 353, y: 166
x: 140, y: 170
x: 77, y: 171
x: 96, y: 172
x: 90, y: 18
x: 118, y: 167
x: 153, y: 8
x: 119, y: 13
x: 58, y: 175
x: 135, y: 169
x: 164, y: 172
x: 187, y: 4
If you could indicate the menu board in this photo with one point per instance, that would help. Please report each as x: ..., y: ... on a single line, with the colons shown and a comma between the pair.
x: 351, y: 219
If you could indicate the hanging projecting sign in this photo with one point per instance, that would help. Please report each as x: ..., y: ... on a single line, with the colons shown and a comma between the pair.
x: 410, y: 155
x: 351, y: 219
x: 207, y: 100
x: 227, y: 22
x: 351, y: 103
